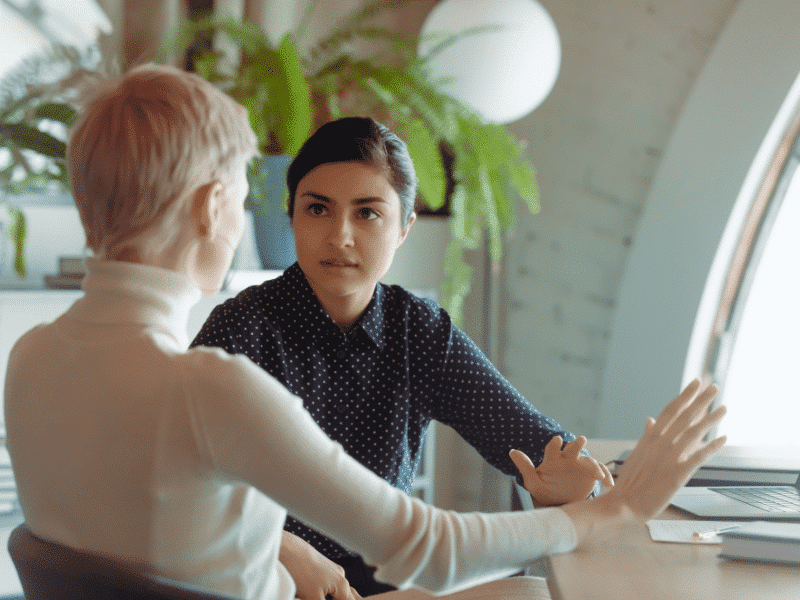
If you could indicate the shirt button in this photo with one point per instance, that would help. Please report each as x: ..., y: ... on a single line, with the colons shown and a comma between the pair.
x: 341, y: 409
x: 341, y: 352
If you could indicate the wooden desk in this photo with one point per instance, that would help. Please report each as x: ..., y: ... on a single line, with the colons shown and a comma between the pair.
x: 631, y: 565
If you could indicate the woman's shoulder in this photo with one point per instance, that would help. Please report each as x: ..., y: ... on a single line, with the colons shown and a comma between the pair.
x: 419, y: 307
x: 254, y: 295
x: 250, y: 309
x: 212, y: 370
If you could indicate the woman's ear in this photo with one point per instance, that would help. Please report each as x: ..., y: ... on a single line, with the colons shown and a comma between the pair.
x: 206, y: 209
x: 404, y: 232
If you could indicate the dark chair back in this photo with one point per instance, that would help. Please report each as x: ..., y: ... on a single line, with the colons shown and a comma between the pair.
x: 51, y: 571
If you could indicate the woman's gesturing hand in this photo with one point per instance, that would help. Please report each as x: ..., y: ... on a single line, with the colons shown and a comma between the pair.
x: 564, y: 475
x: 664, y: 459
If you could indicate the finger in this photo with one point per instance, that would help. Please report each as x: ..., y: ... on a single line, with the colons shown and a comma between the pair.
x: 649, y: 431
x: 553, y: 449
x: 356, y: 595
x: 607, y: 479
x: 701, y: 456
x: 710, y: 392
x: 677, y: 405
x: 523, y: 464
x: 693, y: 412
x: 342, y: 591
x: 699, y: 430
x: 573, y: 449
x: 590, y: 467
x: 597, y: 472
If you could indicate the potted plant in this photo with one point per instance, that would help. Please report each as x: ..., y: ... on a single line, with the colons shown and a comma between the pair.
x: 288, y: 93
x: 270, y: 82
x: 35, y: 113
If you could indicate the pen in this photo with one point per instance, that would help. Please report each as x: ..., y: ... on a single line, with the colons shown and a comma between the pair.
x: 705, y: 535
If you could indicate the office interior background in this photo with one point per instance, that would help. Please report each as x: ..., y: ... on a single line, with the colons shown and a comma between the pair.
x: 658, y: 133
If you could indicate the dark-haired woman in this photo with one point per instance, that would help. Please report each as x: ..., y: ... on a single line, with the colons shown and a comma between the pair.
x: 373, y: 363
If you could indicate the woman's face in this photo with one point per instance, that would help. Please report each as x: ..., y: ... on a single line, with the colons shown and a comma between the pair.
x: 347, y: 227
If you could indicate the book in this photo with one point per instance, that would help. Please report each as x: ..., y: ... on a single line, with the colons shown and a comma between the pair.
x: 63, y: 282
x: 71, y: 265
x: 739, y: 465
x: 763, y: 541
x: 71, y: 270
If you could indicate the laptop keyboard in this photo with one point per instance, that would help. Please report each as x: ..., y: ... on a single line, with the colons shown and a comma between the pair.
x: 8, y: 488
x: 771, y: 499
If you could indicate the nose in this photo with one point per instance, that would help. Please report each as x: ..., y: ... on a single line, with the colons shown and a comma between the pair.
x: 341, y: 233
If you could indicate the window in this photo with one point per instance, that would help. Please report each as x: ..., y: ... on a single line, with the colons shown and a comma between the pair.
x: 755, y: 348
x: 33, y: 25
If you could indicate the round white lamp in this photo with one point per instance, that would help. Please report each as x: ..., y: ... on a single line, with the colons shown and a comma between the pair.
x: 502, y: 72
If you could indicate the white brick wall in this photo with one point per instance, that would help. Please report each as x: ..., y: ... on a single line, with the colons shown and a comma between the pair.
x: 596, y: 142
x: 627, y: 67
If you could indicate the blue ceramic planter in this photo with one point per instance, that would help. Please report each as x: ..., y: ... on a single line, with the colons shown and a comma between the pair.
x: 271, y: 225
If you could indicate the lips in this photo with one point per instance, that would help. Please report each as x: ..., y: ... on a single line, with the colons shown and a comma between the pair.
x: 337, y: 263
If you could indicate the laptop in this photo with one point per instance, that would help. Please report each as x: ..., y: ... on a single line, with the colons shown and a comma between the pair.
x: 763, y: 502
x: 740, y: 465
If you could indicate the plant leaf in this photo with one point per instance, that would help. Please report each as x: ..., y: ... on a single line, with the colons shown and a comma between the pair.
x: 424, y: 151
x: 298, y: 109
x: 458, y: 283
x: 26, y: 136
x: 56, y: 111
x: 18, y: 231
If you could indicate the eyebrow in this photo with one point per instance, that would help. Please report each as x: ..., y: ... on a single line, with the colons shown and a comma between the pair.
x: 357, y: 201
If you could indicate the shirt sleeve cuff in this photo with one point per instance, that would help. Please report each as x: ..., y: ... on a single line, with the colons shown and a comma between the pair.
x: 568, y: 539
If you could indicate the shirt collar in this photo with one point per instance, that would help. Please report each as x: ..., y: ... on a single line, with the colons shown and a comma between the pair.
x: 374, y: 317
x: 371, y: 322
x: 118, y: 292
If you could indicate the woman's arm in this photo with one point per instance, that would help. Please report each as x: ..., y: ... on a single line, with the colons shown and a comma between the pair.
x: 249, y: 427
x: 476, y: 400
x: 252, y: 428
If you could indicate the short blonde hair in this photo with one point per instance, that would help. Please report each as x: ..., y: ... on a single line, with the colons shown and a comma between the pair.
x: 143, y: 145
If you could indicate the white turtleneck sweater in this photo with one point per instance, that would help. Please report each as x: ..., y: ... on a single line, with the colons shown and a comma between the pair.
x: 123, y: 442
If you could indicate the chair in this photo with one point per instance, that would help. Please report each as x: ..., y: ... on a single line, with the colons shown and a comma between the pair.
x: 51, y: 571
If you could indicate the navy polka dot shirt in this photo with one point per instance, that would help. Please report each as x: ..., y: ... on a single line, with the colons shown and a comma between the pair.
x: 376, y: 388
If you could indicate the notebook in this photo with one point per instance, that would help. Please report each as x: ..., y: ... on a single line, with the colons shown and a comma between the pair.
x: 763, y: 502
x: 763, y: 541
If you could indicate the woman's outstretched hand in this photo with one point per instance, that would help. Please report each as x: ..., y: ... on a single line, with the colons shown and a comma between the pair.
x: 670, y: 451
x: 664, y: 459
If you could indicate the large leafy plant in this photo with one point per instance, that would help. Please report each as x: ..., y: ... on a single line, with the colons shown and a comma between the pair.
x: 35, y: 112
x: 361, y: 68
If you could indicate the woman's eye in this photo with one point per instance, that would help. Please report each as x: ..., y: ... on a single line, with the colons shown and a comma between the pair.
x: 317, y: 209
x: 367, y: 213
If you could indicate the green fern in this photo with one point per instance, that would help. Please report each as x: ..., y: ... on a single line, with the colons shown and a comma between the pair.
x: 387, y: 80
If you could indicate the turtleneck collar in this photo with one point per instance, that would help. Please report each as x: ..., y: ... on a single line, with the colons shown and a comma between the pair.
x: 117, y: 292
